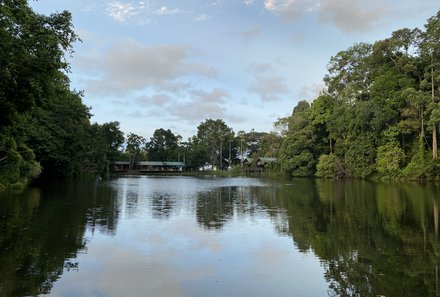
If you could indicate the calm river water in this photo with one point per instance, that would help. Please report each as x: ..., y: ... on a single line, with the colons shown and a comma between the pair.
x: 209, y: 237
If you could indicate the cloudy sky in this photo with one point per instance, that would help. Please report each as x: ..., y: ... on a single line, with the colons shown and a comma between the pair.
x: 172, y: 64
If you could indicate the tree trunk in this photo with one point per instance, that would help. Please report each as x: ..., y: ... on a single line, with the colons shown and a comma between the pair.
x: 434, y: 141
x: 434, y: 128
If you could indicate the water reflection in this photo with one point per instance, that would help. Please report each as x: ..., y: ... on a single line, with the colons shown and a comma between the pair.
x: 162, y: 205
x: 182, y: 236
x: 215, y: 207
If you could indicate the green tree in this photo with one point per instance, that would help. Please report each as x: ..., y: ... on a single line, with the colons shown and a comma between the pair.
x: 326, y: 166
x: 163, y: 146
x: 349, y: 76
x: 296, y: 155
x: 260, y: 144
x: 58, y: 132
x: 212, y: 141
x: 134, y: 149
x: 32, y: 57
x: 35, y: 95
x: 390, y: 155
x: 105, y: 143
x: 430, y: 54
x: 196, y: 155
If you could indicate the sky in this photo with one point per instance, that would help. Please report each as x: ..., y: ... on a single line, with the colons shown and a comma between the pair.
x: 173, y: 64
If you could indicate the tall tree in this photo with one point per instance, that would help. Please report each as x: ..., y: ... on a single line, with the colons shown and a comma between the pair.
x: 430, y: 52
x: 296, y: 154
x: 135, y: 145
x: 105, y: 142
x: 349, y: 74
x: 163, y: 146
x: 213, y: 137
x: 32, y: 79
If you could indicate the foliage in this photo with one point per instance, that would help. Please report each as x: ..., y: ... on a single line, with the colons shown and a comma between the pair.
x: 296, y: 155
x: 420, y: 165
x: 326, y: 166
x: 135, y: 149
x: 389, y: 159
x: 391, y: 85
x: 17, y: 162
x: 163, y: 146
x: 211, y: 144
x: 43, y: 121
x: 261, y: 144
x: 106, y: 142
x: 32, y: 82
x: 380, y: 101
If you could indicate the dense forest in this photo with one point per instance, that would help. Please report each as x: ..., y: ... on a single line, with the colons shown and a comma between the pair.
x: 379, y: 115
x: 44, y: 125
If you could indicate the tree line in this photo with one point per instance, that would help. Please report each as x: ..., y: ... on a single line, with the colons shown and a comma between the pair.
x: 215, y: 143
x: 379, y: 114
x: 45, y: 128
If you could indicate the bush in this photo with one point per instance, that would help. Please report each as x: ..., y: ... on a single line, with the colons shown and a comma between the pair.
x: 330, y: 166
x: 326, y: 166
x: 389, y: 159
x: 421, y: 165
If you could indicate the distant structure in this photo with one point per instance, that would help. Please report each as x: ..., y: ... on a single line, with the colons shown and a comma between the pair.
x: 147, y: 167
x: 252, y: 165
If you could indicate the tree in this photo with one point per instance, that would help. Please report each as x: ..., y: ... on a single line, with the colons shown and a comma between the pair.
x: 260, y: 144
x: 349, y: 76
x: 33, y: 83
x: 32, y: 57
x: 163, y: 146
x: 58, y: 132
x: 105, y: 143
x: 196, y: 154
x: 134, y: 149
x: 213, y: 137
x: 430, y: 53
x: 296, y: 154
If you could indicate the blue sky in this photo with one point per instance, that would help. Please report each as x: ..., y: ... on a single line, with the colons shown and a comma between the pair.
x: 173, y: 64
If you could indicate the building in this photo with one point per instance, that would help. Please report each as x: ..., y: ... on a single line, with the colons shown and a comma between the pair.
x: 147, y: 166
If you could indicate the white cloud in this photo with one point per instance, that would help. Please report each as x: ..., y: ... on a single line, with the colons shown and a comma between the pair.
x: 310, y: 92
x: 217, y: 95
x: 130, y: 66
x: 155, y: 100
x: 195, y: 112
x: 166, y: 11
x: 347, y: 15
x: 120, y: 11
x: 123, y: 11
x: 216, y: 3
x: 268, y: 84
x: 201, y: 105
x: 352, y: 15
x: 202, y: 17
x: 270, y: 4
x: 288, y: 9
x: 248, y: 2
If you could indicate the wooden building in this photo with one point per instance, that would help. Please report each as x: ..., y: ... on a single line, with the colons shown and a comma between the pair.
x: 159, y: 166
x: 146, y: 166
x: 119, y: 166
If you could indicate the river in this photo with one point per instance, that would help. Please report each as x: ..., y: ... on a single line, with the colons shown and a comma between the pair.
x: 210, y: 237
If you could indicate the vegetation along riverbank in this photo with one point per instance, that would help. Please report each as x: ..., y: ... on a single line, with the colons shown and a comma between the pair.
x: 378, y: 116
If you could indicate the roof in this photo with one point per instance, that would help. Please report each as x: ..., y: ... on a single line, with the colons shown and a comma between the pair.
x: 248, y: 160
x: 160, y: 163
x: 120, y: 162
x: 265, y: 160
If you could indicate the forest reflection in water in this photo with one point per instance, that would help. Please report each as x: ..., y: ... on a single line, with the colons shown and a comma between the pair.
x: 186, y: 236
